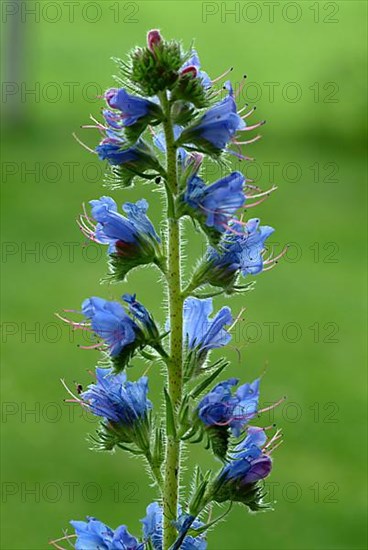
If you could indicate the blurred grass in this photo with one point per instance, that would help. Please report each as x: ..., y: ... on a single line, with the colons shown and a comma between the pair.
x: 311, y: 374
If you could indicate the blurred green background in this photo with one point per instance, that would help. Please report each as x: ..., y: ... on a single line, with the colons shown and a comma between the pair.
x: 313, y: 53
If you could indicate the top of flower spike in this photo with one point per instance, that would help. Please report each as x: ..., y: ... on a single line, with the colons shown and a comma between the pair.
x: 153, y: 39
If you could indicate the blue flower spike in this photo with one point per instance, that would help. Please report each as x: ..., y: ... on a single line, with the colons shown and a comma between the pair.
x: 163, y: 125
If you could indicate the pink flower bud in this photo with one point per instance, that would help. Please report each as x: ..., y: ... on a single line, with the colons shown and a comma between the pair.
x: 190, y: 70
x: 153, y: 39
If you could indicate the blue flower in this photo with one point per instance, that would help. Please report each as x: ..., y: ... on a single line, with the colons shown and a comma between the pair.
x: 110, y: 322
x: 246, y: 408
x: 124, y: 150
x: 92, y: 534
x: 201, y: 332
x: 240, y: 250
x: 138, y: 157
x: 116, y: 155
x: 250, y: 245
x: 215, y: 129
x: 132, y: 108
x: 249, y: 463
x: 123, y: 540
x: 117, y: 400
x: 215, y: 204
x: 220, y: 407
x: 95, y: 535
x: 152, y: 529
x: 131, y: 239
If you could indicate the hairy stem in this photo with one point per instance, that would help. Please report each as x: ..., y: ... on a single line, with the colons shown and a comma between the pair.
x: 175, y: 363
x: 156, y: 471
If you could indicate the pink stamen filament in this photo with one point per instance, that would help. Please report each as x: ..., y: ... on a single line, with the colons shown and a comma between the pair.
x: 225, y: 73
x: 93, y: 346
x: 275, y: 436
x: 242, y: 109
x: 237, y: 319
x: 268, y: 268
x: 249, y: 113
x: 274, y: 448
x: 83, y: 144
x: 239, y: 153
x: 267, y: 192
x: 251, y: 187
x: 256, y: 203
x: 70, y: 393
x: 83, y: 224
x: 86, y: 213
x: 241, y: 86
x: 253, y: 127
x: 66, y: 538
x: 87, y: 234
x: 268, y: 427
x: 97, y: 122
x: 272, y: 406
x: 84, y: 325
x: 247, y: 142
x: 219, y: 210
x: 234, y: 231
x: 272, y: 260
x: 247, y: 416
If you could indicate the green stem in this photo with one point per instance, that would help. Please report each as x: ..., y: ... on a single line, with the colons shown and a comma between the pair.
x: 156, y: 471
x: 175, y: 363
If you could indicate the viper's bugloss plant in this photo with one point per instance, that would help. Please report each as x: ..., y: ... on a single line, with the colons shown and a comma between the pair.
x: 159, y: 124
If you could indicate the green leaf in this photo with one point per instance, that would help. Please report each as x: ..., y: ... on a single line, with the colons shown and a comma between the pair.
x: 170, y: 417
x: 200, y: 530
x: 205, y: 383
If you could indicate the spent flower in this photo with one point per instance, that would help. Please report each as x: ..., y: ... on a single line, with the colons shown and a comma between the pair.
x: 250, y: 462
